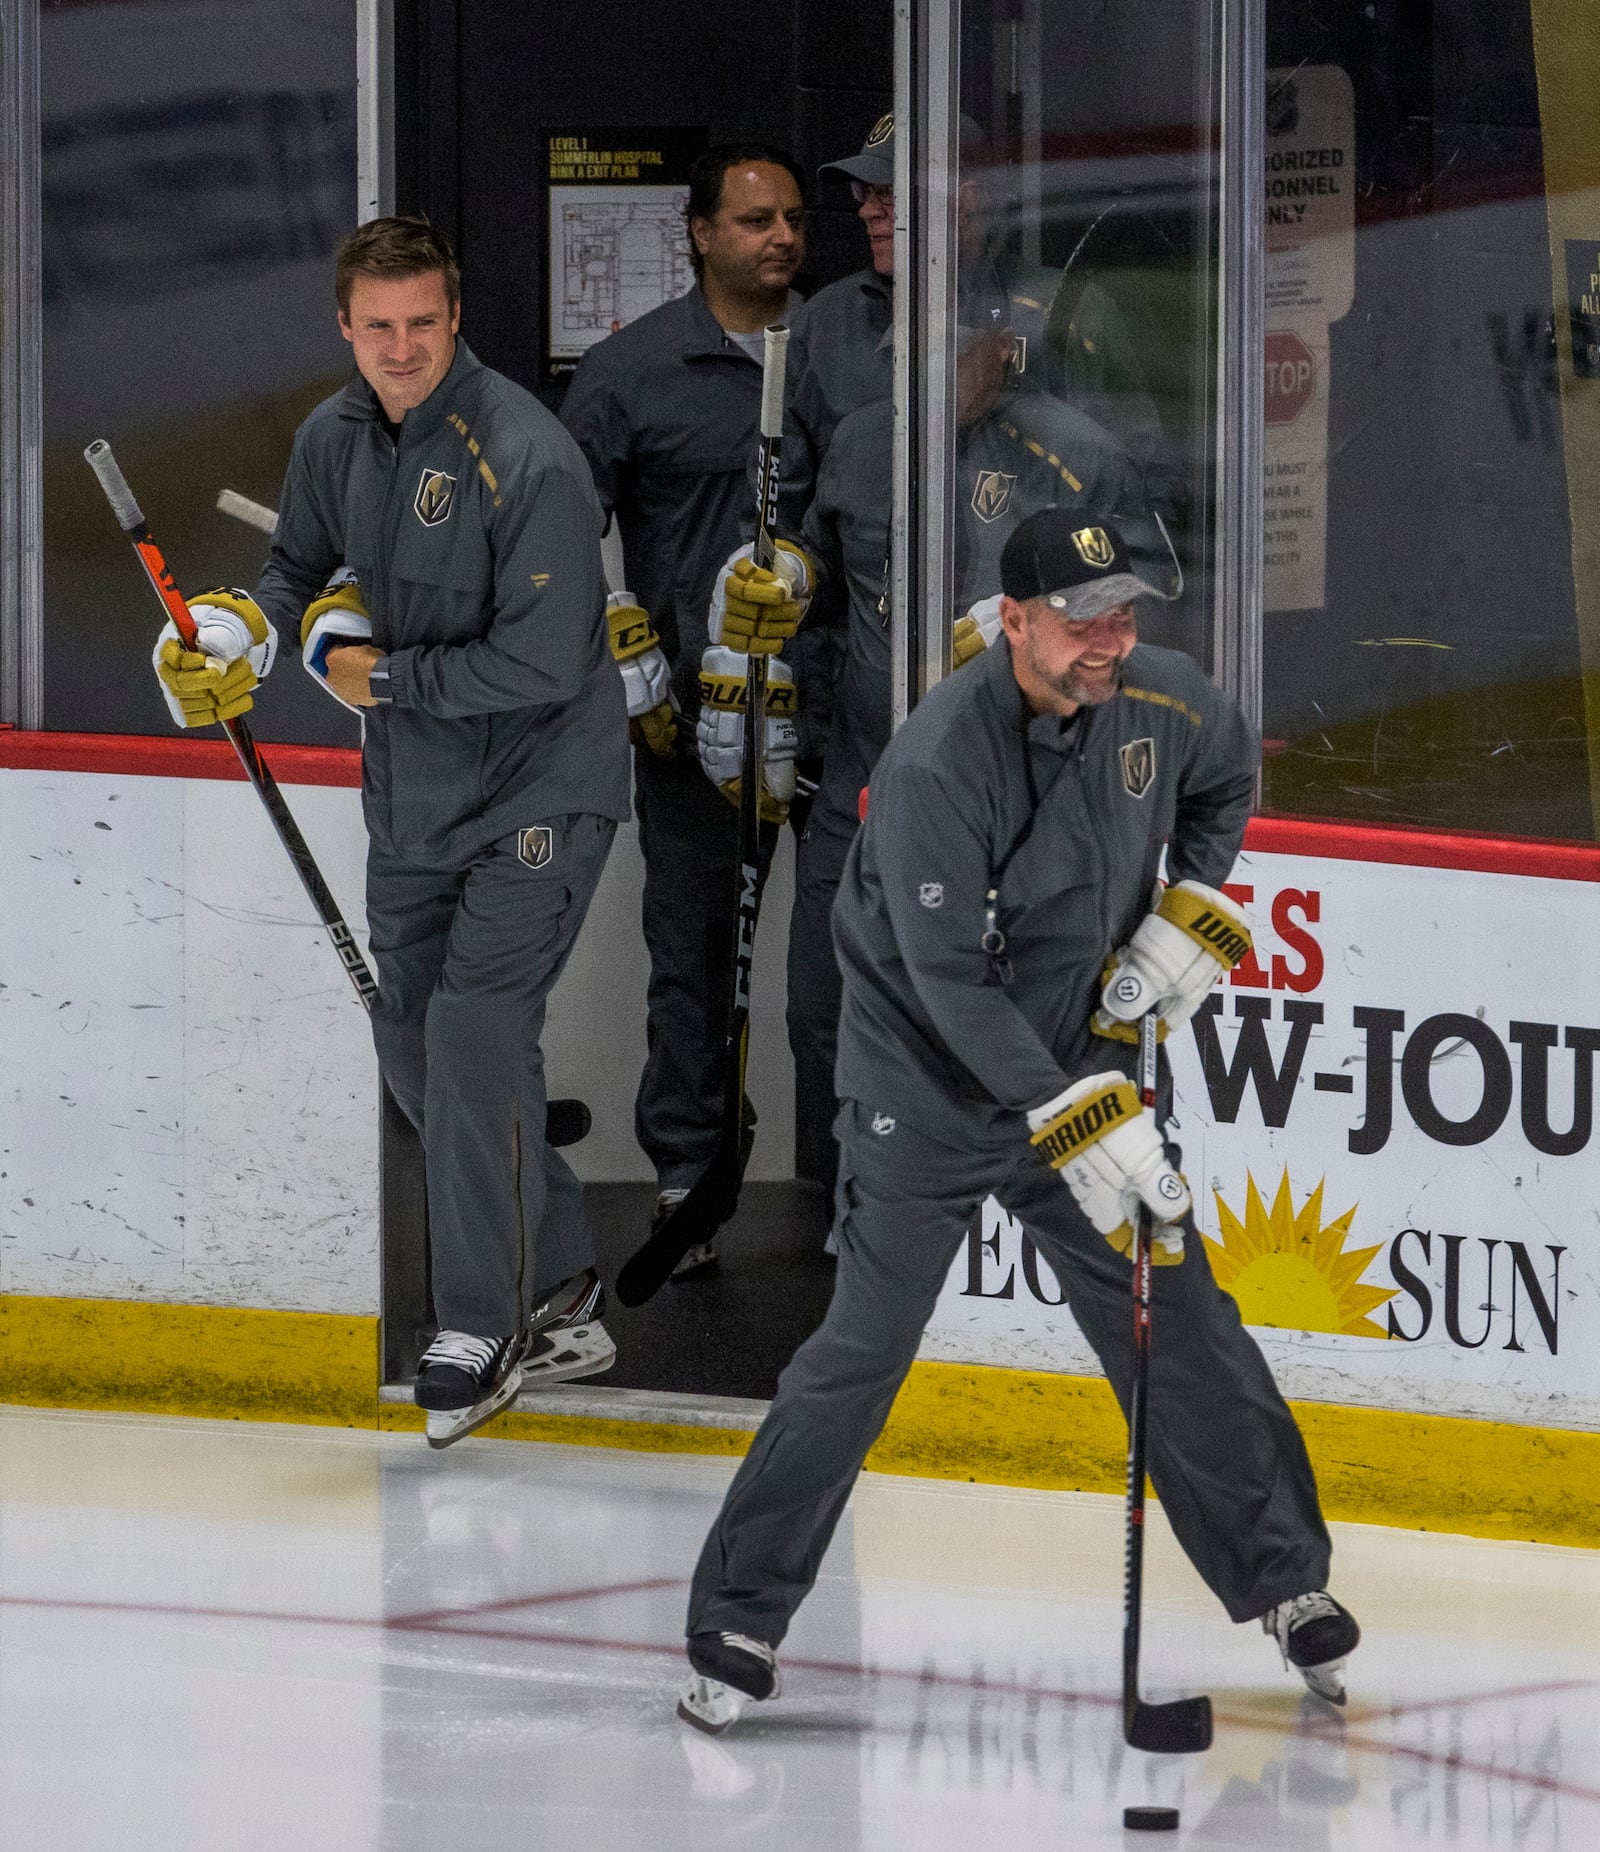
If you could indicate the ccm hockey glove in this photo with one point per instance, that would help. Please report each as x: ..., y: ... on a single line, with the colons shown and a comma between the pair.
x: 334, y: 619
x: 724, y: 694
x: 1110, y: 1155
x: 236, y: 650
x: 1175, y: 956
x: 975, y: 632
x: 756, y: 610
x: 646, y: 679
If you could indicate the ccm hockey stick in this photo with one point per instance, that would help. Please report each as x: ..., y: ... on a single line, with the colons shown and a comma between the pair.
x: 132, y: 522
x: 715, y: 1194
x: 253, y: 514
x: 1182, y: 1727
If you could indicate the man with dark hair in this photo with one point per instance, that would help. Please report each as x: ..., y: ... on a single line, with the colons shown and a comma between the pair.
x: 437, y: 562
x: 998, y: 940
x: 666, y: 412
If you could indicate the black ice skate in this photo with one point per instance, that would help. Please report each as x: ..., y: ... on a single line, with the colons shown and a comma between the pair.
x: 730, y: 1669
x: 1315, y: 1636
x: 565, y: 1336
x: 462, y: 1381
x: 702, y: 1257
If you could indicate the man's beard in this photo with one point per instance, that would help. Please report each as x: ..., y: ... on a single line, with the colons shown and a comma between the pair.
x: 1070, y: 687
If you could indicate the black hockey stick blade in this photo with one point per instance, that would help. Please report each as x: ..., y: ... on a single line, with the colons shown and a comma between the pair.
x: 566, y: 1122
x: 697, y: 1218
x: 1181, y: 1728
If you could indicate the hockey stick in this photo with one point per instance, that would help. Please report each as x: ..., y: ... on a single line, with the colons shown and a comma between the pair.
x: 132, y: 522
x: 1182, y: 1727
x: 253, y: 514
x: 715, y: 1194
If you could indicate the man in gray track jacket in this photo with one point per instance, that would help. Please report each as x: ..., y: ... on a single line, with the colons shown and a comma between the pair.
x: 1015, y: 829
x: 437, y: 561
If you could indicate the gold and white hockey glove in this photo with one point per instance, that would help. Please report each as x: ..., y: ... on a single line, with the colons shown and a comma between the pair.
x: 335, y: 619
x: 237, y: 647
x: 1110, y: 1155
x: 975, y: 632
x: 756, y: 610
x: 646, y: 679
x: 719, y: 735
x: 1176, y: 954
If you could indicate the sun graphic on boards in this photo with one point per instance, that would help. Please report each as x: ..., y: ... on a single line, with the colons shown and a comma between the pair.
x: 1289, y: 1270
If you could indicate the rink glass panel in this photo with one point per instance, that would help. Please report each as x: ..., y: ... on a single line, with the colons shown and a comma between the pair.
x: 1433, y: 361
x: 1088, y: 181
x: 199, y: 165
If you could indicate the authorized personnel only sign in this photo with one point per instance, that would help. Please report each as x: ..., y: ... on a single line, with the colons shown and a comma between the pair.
x: 1388, y: 1122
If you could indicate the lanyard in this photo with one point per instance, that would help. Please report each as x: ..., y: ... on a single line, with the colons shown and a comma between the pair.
x: 993, y: 942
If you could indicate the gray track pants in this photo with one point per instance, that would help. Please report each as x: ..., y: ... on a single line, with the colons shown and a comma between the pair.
x: 815, y: 988
x: 689, y: 836
x: 1225, y: 1456
x: 466, y: 960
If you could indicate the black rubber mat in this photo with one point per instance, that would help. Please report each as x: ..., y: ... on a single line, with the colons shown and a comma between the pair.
x: 730, y: 1331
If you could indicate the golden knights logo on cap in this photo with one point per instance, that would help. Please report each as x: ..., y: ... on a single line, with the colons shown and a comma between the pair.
x: 435, y: 494
x: 882, y: 129
x: 991, y: 494
x: 1138, y: 766
x: 1094, y: 547
x: 536, y: 847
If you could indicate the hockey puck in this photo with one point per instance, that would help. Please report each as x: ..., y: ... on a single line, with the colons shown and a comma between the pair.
x: 1150, y: 1819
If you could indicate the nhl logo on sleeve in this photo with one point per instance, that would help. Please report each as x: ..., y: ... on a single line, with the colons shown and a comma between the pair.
x: 1138, y: 766
x: 537, y: 847
x: 435, y: 494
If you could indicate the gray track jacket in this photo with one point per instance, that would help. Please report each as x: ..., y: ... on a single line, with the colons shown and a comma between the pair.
x: 476, y: 540
x: 928, y: 1032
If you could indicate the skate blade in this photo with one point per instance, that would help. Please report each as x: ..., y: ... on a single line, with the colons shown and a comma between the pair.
x: 710, y: 1706
x: 699, y: 1260
x: 1326, y: 1682
x: 585, y: 1350
x: 448, y: 1425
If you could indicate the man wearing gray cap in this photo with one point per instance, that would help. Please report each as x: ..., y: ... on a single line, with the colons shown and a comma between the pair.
x: 1009, y: 856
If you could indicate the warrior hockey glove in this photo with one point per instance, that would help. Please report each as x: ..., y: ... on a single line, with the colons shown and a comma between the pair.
x: 1175, y: 956
x: 756, y: 610
x: 1110, y: 1155
x: 719, y: 735
x: 236, y: 649
x: 976, y: 631
x: 646, y: 679
x: 334, y: 619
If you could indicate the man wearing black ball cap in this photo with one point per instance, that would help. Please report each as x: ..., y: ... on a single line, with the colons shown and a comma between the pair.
x: 998, y: 943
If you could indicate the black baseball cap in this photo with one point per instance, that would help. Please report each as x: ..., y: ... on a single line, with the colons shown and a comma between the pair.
x: 875, y: 163
x: 1079, y: 564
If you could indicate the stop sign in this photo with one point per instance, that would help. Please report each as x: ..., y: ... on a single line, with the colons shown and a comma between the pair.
x: 1291, y: 376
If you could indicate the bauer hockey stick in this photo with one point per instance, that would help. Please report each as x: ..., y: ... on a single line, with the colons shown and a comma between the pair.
x: 715, y: 1194
x: 1182, y: 1727
x: 132, y: 522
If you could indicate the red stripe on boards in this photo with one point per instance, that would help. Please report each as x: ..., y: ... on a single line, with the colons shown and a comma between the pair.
x: 139, y: 756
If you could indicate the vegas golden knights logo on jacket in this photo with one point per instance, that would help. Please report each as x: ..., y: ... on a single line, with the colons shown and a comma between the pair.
x: 1138, y: 766
x: 991, y: 494
x: 435, y: 493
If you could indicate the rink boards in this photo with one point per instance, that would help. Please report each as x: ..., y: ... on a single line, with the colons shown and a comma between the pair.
x: 1386, y: 1119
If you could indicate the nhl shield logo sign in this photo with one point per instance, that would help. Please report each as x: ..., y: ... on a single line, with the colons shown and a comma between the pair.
x: 991, y: 494
x: 435, y: 494
x: 536, y: 847
x: 1138, y: 766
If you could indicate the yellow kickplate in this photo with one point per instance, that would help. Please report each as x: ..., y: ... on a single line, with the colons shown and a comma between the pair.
x: 227, y: 1362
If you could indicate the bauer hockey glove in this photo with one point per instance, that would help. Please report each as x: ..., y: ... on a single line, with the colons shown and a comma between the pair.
x: 719, y: 735
x: 646, y: 679
x: 756, y: 610
x: 236, y: 648
x: 1176, y: 954
x: 1110, y: 1155
x: 975, y: 632
x: 334, y: 619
